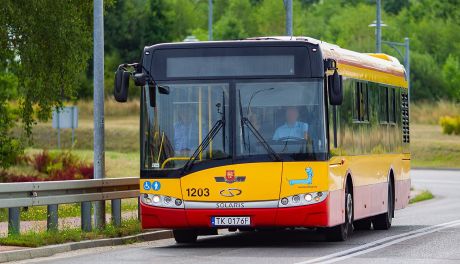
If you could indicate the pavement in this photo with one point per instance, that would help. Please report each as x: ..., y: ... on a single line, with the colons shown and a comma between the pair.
x: 425, y: 232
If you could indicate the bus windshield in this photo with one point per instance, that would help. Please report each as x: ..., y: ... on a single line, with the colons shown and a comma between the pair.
x: 179, y: 123
x: 253, y: 120
x: 289, y: 116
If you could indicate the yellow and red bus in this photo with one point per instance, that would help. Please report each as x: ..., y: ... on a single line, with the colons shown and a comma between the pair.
x: 272, y: 132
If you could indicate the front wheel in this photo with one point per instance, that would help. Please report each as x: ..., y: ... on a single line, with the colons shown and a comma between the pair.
x: 383, y: 221
x: 341, y: 232
x: 185, y: 236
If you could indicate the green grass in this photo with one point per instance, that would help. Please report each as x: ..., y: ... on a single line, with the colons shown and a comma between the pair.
x: 37, y: 213
x: 424, y: 195
x: 431, y: 148
x: 37, y: 239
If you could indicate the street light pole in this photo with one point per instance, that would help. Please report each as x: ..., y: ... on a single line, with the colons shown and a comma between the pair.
x: 378, y: 30
x: 407, y: 65
x: 210, y: 20
x: 98, y: 93
x: 288, y: 7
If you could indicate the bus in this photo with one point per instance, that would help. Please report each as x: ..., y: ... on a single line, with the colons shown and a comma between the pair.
x: 269, y: 132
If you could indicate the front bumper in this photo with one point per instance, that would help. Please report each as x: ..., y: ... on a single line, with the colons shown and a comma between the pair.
x: 314, y: 215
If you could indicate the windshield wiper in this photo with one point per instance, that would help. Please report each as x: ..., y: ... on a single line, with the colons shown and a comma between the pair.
x: 246, y: 122
x: 209, y: 137
x: 261, y: 139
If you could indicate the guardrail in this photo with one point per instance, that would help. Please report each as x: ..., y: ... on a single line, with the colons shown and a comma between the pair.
x: 25, y: 194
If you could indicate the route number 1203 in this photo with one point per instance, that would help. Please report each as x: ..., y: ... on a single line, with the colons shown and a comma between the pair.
x: 193, y: 192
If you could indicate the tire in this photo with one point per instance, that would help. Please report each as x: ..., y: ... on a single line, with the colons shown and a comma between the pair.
x: 383, y: 221
x: 363, y: 224
x: 343, y: 231
x: 185, y: 236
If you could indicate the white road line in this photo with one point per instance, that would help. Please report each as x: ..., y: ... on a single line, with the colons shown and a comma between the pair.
x: 436, y: 181
x: 379, y: 244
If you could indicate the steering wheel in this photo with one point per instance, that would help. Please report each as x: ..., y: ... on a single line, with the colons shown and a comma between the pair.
x: 291, y: 138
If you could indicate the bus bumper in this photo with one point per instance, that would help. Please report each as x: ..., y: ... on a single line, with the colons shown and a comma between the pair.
x: 315, y: 215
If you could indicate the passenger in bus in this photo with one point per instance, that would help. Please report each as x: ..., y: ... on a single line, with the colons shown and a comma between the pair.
x: 292, y: 130
x: 185, y: 133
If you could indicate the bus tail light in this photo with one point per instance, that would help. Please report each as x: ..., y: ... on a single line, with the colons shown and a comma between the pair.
x: 161, y: 201
x: 302, y: 199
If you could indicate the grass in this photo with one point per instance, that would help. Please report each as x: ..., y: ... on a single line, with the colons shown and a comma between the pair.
x: 424, y: 195
x: 431, y: 148
x: 429, y: 113
x: 37, y: 213
x: 37, y: 239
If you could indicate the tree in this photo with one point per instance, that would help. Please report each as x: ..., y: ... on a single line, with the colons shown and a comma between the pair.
x: 45, y: 47
x: 451, y: 75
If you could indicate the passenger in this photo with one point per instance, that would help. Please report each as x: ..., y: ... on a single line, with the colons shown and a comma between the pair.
x: 292, y: 130
x: 185, y: 133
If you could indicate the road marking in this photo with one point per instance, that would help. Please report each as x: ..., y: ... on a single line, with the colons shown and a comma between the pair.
x: 436, y: 181
x: 379, y: 244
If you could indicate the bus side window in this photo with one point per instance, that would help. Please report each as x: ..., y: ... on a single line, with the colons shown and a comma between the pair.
x: 392, y: 105
x: 383, y: 103
x: 361, y: 112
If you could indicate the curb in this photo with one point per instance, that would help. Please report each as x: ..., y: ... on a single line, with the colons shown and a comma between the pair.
x: 46, y: 251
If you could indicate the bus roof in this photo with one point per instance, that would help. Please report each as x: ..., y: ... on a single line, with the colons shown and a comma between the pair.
x: 376, y: 67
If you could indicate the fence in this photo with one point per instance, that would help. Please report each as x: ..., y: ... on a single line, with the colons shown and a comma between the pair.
x: 16, y: 195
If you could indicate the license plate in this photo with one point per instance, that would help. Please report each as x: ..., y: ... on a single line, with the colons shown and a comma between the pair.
x: 231, y: 221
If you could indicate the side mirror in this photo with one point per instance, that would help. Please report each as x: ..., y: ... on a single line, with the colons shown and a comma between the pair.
x: 334, y: 84
x: 120, y: 90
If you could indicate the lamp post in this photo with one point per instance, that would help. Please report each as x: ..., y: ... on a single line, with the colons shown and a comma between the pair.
x: 210, y: 20
x: 288, y: 7
x: 397, y: 47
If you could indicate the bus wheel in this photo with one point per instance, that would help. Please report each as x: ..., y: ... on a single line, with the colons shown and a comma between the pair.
x: 363, y: 224
x: 383, y: 221
x: 185, y: 235
x: 341, y: 232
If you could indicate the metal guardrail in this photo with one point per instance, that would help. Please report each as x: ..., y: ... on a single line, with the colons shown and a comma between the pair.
x: 16, y: 195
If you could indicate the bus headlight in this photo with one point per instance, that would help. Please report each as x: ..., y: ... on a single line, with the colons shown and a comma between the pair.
x: 302, y: 199
x: 161, y: 201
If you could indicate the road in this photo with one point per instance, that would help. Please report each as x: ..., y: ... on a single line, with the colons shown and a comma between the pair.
x: 426, y: 232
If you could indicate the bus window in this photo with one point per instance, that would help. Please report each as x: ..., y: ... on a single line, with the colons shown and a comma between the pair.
x: 392, y: 105
x: 383, y: 104
x: 288, y: 115
x: 361, y: 112
x: 174, y: 129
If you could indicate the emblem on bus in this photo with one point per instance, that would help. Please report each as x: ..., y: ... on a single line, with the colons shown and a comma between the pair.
x: 230, y: 177
x: 230, y: 192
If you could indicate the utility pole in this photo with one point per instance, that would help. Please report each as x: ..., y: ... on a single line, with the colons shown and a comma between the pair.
x: 407, y: 65
x: 210, y: 20
x: 378, y: 30
x: 98, y: 63
x: 288, y: 7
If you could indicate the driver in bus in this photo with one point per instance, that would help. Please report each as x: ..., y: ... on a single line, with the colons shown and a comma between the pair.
x: 292, y: 130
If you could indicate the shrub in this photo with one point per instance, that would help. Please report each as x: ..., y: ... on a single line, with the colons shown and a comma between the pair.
x: 40, y: 161
x: 46, y: 166
x: 450, y: 125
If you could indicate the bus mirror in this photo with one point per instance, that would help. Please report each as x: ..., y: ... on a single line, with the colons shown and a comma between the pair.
x: 163, y: 89
x: 120, y: 90
x: 334, y: 83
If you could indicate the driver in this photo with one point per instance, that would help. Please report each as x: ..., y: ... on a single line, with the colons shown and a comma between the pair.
x: 292, y: 129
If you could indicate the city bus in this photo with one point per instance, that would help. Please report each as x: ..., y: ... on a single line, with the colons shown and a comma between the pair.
x: 269, y: 132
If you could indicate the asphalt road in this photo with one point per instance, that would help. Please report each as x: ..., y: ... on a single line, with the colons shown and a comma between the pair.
x: 426, y: 232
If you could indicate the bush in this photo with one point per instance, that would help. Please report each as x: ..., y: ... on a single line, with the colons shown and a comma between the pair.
x: 46, y: 166
x: 450, y: 125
